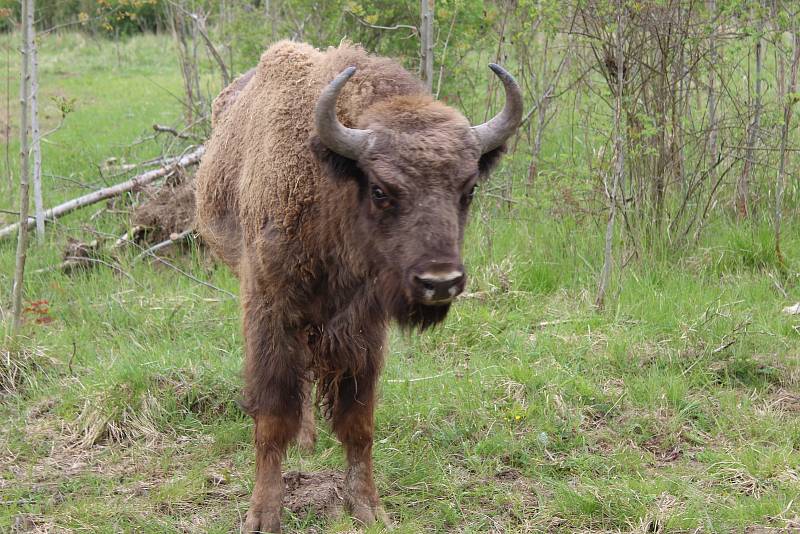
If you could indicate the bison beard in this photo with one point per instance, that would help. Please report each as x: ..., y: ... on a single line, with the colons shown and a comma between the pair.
x: 409, y: 314
x: 339, y: 353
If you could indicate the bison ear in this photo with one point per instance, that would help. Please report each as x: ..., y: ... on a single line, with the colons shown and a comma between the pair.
x: 489, y: 161
x: 336, y: 165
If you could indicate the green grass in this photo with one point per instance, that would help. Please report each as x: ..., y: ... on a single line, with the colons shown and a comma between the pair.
x: 528, y: 410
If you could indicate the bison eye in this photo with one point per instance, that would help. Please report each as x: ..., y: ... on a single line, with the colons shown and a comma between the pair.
x: 380, y: 199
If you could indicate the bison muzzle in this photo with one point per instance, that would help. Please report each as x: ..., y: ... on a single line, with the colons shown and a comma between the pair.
x: 337, y: 189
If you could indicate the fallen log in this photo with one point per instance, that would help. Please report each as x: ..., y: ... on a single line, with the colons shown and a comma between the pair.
x: 50, y: 215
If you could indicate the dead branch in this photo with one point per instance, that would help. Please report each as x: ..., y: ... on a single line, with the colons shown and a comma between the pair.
x: 137, y: 181
x: 201, y: 28
x: 444, y: 52
x: 191, y: 276
x: 414, y: 30
x: 200, y: 25
x: 543, y: 324
x: 129, y: 237
x: 171, y: 130
x: 124, y: 168
x: 73, y: 263
x: 174, y: 238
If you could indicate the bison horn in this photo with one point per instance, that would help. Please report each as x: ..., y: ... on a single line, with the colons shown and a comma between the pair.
x: 348, y: 142
x: 494, y: 133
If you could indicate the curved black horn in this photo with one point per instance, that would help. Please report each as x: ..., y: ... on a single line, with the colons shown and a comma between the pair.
x: 494, y: 133
x: 348, y: 142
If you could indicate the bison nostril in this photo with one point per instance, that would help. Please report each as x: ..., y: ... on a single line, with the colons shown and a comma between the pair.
x: 439, y: 286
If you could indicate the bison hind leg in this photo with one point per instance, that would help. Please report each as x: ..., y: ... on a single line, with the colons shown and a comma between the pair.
x: 307, y: 436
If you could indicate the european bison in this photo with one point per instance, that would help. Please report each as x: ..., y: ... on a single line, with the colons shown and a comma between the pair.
x: 337, y: 189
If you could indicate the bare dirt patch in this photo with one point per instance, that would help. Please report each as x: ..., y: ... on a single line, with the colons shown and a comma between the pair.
x: 320, y: 493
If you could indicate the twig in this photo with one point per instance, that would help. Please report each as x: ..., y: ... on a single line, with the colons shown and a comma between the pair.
x: 127, y: 236
x: 124, y: 168
x: 80, y: 22
x: 174, y: 238
x: 200, y: 24
x: 778, y: 285
x: 80, y: 259
x: 444, y: 52
x: 108, y: 192
x: 543, y: 324
x: 419, y: 379
x: 414, y: 29
x: 440, y: 375
x: 162, y: 260
x: 72, y: 357
x: 77, y: 261
x: 169, y: 129
x: 192, y: 277
x: 738, y: 328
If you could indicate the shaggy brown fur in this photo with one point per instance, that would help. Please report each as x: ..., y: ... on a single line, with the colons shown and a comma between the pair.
x: 324, y: 262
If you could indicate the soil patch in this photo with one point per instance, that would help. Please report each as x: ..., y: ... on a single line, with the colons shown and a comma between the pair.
x: 319, y: 492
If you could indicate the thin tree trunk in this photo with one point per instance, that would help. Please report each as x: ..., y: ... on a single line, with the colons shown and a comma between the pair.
x: 36, y: 139
x: 743, y: 184
x: 542, y: 107
x: 200, y: 23
x: 713, y: 122
x: 713, y: 127
x: 8, y: 119
x: 269, y: 11
x: 541, y: 111
x: 426, y: 43
x: 619, y: 166
x: 444, y: 53
x: 24, y: 156
x: 788, y: 104
x: 187, y: 56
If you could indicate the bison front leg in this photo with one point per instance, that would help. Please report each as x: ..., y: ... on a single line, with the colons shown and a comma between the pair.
x: 275, y: 361
x: 353, y: 424
x: 272, y: 434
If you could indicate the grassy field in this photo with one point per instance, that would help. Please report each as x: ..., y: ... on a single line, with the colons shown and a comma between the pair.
x: 677, y: 409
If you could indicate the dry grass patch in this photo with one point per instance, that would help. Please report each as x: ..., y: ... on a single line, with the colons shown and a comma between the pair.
x: 19, y: 368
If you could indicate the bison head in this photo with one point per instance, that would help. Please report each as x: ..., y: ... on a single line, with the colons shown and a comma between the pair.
x: 417, y: 163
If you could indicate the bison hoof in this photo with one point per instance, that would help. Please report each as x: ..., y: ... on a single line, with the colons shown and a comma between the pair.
x: 369, y: 515
x: 262, y: 522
